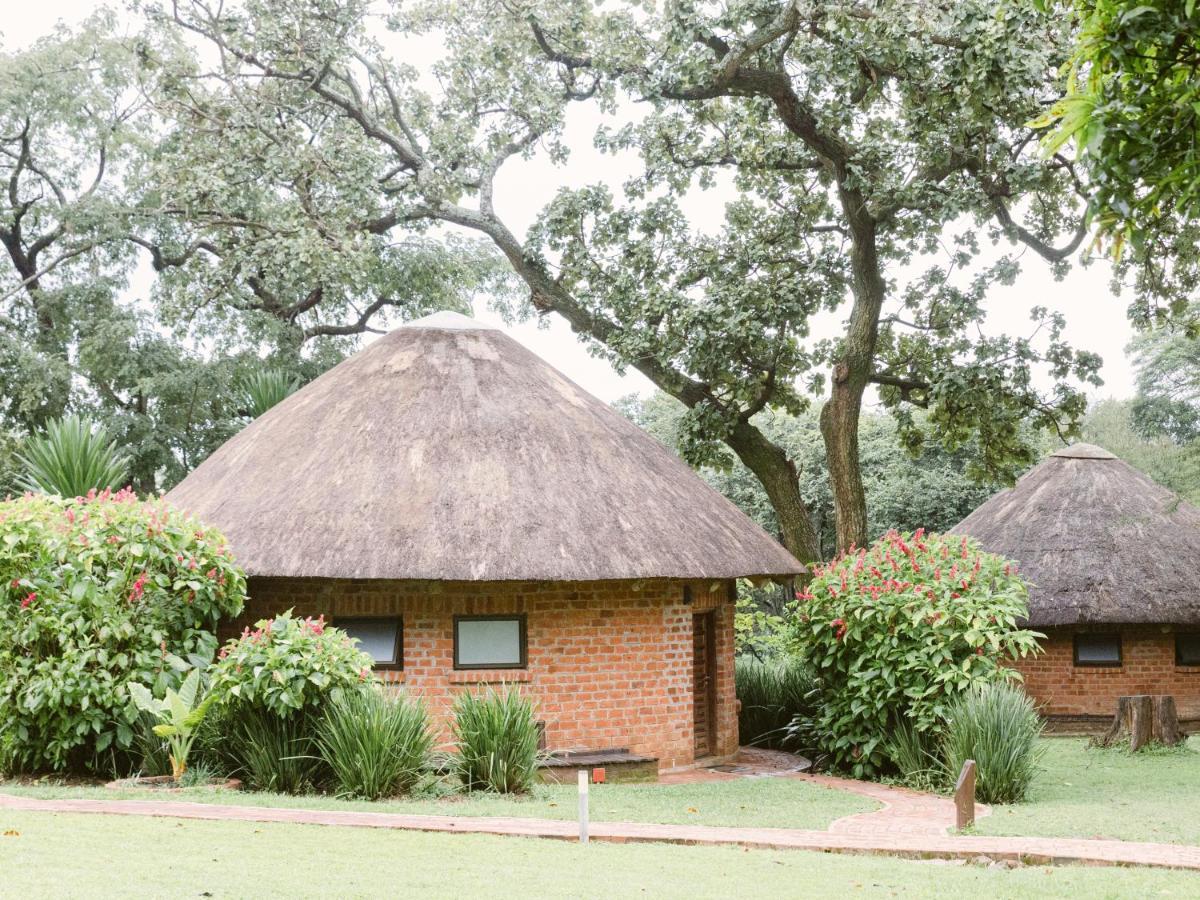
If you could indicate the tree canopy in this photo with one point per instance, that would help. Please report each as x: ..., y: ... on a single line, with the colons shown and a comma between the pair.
x: 151, y: 261
x: 874, y: 153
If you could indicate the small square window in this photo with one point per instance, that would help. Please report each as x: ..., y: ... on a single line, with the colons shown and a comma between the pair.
x: 380, y: 638
x: 1098, y: 650
x: 1187, y: 649
x: 489, y: 642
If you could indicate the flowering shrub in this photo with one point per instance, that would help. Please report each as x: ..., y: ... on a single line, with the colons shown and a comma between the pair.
x: 895, y: 633
x: 97, y: 593
x: 287, y: 664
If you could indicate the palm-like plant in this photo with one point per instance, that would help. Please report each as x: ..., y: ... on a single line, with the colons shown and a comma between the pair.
x: 74, y: 456
x: 264, y: 389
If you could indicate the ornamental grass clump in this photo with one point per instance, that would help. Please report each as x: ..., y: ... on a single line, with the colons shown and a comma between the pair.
x: 375, y: 745
x: 997, y: 726
x: 97, y: 593
x: 897, y: 632
x: 773, y: 693
x: 496, y: 733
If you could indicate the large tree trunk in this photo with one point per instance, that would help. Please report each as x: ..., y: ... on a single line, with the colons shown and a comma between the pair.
x: 1141, y: 719
x: 771, y: 466
x: 851, y: 374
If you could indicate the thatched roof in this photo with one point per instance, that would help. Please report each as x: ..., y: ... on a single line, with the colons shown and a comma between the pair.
x: 447, y: 451
x: 1100, y: 541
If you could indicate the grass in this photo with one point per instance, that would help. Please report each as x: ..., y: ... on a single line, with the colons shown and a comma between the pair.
x: 749, y: 802
x: 72, y: 855
x: 1093, y: 793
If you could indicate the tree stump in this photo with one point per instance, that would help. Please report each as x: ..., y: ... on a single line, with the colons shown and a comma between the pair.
x: 1141, y: 719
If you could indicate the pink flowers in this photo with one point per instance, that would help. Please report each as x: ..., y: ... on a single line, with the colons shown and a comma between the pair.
x: 28, y: 600
x: 139, y: 588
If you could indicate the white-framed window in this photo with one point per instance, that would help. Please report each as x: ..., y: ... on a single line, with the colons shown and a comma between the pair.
x: 1098, y: 650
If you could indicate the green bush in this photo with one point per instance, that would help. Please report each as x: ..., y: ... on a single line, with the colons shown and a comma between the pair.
x: 97, y: 593
x: 997, y: 726
x: 897, y: 632
x: 773, y: 694
x: 285, y: 665
x: 497, y: 741
x: 374, y: 744
x: 272, y: 686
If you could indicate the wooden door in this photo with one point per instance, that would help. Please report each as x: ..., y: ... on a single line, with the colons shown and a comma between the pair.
x: 704, y: 682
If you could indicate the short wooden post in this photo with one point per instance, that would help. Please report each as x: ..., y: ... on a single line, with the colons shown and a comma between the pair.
x: 964, y: 796
x: 583, y: 806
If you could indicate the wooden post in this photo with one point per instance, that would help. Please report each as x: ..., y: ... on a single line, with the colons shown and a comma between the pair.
x: 583, y: 806
x: 964, y: 796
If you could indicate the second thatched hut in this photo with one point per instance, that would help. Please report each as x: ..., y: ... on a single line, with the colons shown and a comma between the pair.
x: 1113, y: 559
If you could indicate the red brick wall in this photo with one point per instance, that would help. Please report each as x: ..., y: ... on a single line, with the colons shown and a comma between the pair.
x: 609, y: 663
x: 1147, y: 667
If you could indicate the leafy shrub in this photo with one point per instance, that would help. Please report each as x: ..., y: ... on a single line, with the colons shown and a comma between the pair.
x: 997, y: 726
x: 773, y: 693
x: 897, y: 632
x: 177, y: 715
x: 287, y: 665
x: 74, y: 456
x: 374, y: 744
x: 97, y: 593
x: 497, y: 738
x: 272, y: 685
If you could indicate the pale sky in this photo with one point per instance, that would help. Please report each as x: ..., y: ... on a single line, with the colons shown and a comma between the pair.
x: 1095, y: 318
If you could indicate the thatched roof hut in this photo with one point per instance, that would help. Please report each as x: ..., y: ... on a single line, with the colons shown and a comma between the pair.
x: 1101, y: 542
x: 447, y: 451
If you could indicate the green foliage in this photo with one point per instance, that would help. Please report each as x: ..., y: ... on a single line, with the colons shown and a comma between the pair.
x: 1111, y: 424
x: 1168, y: 383
x: 773, y: 693
x: 74, y: 456
x: 265, y: 388
x: 1131, y: 108
x: 375, y: 744
x: 496, y: 738
x: 288, y: 665
x: 97, y: 593
x: 997, y: 726
x: 896, y: 632
x: 179, y: 714
x: 925, y: 486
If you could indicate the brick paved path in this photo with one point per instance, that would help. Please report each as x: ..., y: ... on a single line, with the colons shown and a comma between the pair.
x: 909, y: 824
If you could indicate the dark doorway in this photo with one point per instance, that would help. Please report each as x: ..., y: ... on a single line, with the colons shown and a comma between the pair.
x: 704, y: 682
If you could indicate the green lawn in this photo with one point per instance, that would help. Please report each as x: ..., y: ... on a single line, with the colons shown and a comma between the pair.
x: 59, y: 855
x: 1085, y: 792
x: 775, y: 802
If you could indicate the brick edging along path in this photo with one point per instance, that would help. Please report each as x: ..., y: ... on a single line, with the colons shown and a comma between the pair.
x: 918, y: 845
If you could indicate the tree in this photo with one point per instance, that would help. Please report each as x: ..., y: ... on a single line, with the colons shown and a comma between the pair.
x: 857, y: 138
x: 932, y: 488
x: 1131, y: 108
x: 112, y: 158
x: 1168, y: 384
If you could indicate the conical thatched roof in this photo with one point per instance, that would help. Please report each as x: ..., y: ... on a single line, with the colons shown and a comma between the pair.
x: 447, y: 451
x: 1100, y: 541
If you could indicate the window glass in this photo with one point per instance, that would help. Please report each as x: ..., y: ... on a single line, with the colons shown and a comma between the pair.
x: 1097, y: 649
x: 489, y: 643
x: 379, y: 638
x: 1187, y: 649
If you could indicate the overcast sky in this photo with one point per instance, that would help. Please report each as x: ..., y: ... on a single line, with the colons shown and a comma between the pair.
x: 1095, y: 318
